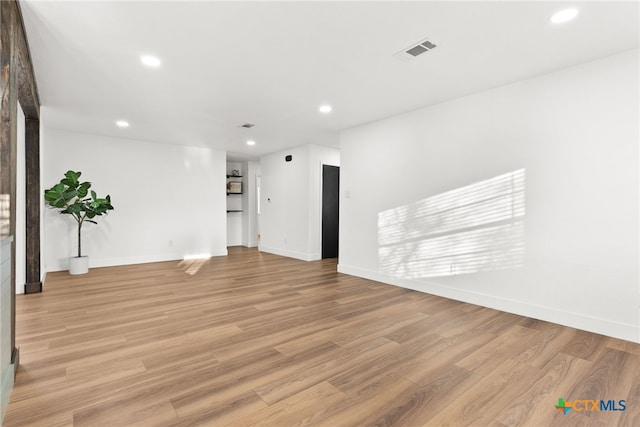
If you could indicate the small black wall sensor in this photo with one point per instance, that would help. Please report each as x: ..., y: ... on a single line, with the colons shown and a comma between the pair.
x: 288, y: 158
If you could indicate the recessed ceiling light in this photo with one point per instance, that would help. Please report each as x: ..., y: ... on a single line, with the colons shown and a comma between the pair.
x: 150, y: 61
x: 324, y: 109
x: 564, y: 16
x: 251, y: 142
x: 122, y: 124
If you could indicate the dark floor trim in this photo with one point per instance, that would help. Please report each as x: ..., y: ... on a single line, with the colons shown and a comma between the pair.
x: 33, y: 288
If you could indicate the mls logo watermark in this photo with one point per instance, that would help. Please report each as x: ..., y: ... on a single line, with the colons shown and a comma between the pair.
x: 588, y: 405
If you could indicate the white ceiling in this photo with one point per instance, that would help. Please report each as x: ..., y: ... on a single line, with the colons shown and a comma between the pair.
x: 274, y: 63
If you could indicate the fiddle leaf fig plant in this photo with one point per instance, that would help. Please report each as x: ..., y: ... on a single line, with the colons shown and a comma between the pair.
x: 72, y: 197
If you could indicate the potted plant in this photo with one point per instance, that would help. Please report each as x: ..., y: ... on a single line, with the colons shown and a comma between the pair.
x: 70, y: 196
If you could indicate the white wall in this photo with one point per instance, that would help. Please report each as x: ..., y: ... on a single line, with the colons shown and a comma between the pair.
x: 574, y: 261
x: 21, y: 207
x: 291, y: 197
x: 284, y: 196
x: 250, y: 219
x: 169, y: 200
x: 43, y: 225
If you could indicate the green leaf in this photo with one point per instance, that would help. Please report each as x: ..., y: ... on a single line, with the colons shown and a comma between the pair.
x: 69, y: 196
x: 74, y: 208
x: 83, y: 189
x: 73, y: 175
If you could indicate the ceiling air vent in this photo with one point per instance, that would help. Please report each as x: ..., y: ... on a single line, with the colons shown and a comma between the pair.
x: 415, y: 49
x: 247, y: 125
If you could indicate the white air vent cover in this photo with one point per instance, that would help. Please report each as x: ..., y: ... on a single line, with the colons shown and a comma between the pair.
x: 416, y: 49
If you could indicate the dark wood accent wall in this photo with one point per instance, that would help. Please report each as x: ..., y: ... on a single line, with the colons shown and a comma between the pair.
x: 17, y: 81
x: 32, y: 202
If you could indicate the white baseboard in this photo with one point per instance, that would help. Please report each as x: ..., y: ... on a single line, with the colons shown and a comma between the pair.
x: 582, y: 321
x: 252, y: 244
x: 145, y: 259
x: 289, y: 254
x: 315, y: 257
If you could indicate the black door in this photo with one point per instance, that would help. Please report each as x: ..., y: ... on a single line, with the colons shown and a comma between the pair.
x: 330, y: 210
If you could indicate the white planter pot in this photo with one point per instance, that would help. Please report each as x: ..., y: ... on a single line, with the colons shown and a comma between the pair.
x: 78, y: 265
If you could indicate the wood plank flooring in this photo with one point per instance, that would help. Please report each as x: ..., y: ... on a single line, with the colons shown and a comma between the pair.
x: 259, y: 340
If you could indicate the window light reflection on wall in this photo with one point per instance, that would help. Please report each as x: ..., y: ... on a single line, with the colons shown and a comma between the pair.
x: 5, y: 214
x: 475, y: 228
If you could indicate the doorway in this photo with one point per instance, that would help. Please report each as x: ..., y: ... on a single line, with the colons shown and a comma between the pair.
x: 330, y: 210
x: 258, y: 186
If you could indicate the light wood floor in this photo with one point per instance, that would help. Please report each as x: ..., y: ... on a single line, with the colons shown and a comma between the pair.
x: 257, y: 339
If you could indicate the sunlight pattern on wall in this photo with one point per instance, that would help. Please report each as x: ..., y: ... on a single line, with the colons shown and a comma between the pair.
x: 475, y: 228
x: 5, y: 214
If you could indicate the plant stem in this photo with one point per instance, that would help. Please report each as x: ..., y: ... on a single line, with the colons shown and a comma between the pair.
x: 80, y: 221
